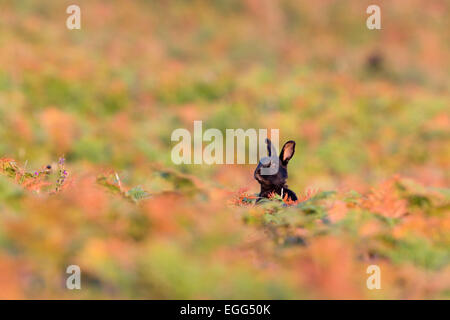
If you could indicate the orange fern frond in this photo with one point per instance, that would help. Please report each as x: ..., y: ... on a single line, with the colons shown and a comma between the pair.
x: 385, y: 200
x: 308, y: 194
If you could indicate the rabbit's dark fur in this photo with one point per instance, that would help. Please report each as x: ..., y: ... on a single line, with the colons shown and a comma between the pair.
x: 275, y: 182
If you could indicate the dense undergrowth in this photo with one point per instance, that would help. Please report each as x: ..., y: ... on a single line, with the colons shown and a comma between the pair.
x: 207, y: 243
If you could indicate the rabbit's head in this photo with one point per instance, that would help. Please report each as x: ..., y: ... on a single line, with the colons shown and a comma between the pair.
x: 271, y: 172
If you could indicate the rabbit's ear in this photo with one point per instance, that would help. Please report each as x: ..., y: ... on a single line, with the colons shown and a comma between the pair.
x: 269, y: 147
x: 287, y: 152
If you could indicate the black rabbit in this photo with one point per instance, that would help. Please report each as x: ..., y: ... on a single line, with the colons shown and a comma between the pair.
x: 271, y: 172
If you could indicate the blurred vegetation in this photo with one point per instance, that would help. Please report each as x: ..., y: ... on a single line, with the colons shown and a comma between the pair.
x: 369, y: 110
